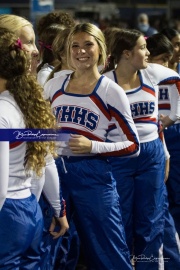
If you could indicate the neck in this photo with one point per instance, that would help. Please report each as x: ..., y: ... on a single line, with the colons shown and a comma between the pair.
x: 127, y: 78
x: 54, y: 63
x: 86, y: 75
x: 2, y: 85
x: 64, y: 66
x: 172, y: 65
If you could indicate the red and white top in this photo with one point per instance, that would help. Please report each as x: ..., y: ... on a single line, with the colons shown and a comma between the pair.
x: 90, y: 115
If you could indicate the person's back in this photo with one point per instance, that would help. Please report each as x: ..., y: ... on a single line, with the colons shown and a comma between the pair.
x: 20, y: 244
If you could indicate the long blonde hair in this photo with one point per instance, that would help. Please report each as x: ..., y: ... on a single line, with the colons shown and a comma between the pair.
x: 13, y: 23
x: 27, y: 93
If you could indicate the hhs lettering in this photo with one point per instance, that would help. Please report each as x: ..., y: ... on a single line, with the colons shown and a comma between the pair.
x: 77, y: 115
x: 163, y: 94
x: 142, y: 108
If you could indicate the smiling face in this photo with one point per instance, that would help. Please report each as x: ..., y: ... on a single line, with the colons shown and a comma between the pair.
x: 84, y: 51
x: 139, y: 54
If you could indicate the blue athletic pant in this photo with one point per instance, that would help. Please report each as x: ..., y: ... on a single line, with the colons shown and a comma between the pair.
x: 90, y: 191
x: 68, y: 250
x: 140, y: 184
x: 171, y: 243
x: 21, y: 226
x: 61, y: 253
x: 49, y: 246
x: 172, y: 137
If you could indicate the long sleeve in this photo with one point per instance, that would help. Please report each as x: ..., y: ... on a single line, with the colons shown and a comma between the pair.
x: 51, y: 188
x: 120, y: 113
x: 37, y: 184
x: 174, y: 98
x: 161, y: 75
x: 4, y: 171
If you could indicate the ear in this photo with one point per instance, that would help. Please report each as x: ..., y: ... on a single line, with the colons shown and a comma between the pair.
x: 127, y: 54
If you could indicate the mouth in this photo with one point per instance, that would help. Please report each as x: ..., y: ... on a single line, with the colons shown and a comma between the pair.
x: 82, y: 59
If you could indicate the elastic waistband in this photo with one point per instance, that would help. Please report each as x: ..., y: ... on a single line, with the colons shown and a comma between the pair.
x: 79, y: 158
x: 19, y: 194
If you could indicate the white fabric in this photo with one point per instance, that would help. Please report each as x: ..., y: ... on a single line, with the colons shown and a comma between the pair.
x: 91, y: 115
x: 165, y: 99
x: 14, y: 181
x: 57, y: 74
x: 44, y: 73
x: 144, y: 101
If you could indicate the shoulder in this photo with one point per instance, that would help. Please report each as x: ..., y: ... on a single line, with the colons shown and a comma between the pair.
x: 8, y: 108
x: 107, y: 80
x: 160, y: 73
x: 109, y: 74
x: 43, y: 74
x: 6, y: 99
x: 152, y: 31
x: 62, y: 73
x: 53, y: 85
x: 111, y: 87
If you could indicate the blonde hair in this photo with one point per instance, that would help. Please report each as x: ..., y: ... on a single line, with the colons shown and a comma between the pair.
x: 13, y: 23
x: 27, y: 93
x: 94, y: 31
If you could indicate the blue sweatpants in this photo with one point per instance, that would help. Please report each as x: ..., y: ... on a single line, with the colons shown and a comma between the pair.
x: 171, y: 243
x: 90, y: 191
x: 172, y: 137
x: 140, y: 184
x: 49, y: 246
x: 21, y: 226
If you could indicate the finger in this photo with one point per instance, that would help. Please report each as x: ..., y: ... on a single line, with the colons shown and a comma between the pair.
x: 75, y: 135
x: 73, y: 141
x: 52, y: 227
x: 58, y: 234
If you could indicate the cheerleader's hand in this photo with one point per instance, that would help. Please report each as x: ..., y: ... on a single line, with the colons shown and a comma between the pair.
x: 166, y: 121
x: 80, y: 144
x: 58, y: 222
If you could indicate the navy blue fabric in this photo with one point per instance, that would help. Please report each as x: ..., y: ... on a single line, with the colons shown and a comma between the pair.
x: 171, y: 243
x: 49, y: 246
x: 90, y: 192
x: 20, y: 234
x: 172, y: 137
x: 140, y: 184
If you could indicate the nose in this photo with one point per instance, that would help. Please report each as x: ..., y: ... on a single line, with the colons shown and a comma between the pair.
x: 81, y: 50
x: 147, y: 52
x: 35, y: 51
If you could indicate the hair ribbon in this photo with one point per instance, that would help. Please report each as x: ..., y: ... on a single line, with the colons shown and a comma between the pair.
x: 43, y: 45
x: 18, y: 44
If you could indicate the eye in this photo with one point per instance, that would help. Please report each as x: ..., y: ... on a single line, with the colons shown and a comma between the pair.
x: 143, y: 47
x: 89, y: 44
x: 75, y: 46
x: 30, y: 42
